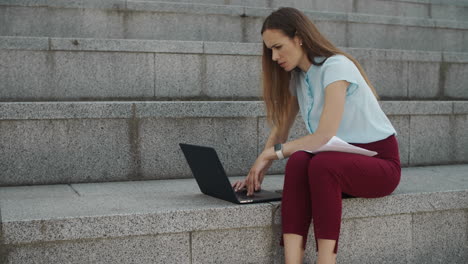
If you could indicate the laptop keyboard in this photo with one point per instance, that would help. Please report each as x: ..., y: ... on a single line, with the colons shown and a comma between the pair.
x: 243, y: 195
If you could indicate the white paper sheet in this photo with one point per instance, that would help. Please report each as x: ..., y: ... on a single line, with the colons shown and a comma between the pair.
x: 337, y: 144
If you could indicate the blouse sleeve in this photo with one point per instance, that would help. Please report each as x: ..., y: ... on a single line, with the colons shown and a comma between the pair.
x: 338, y: 68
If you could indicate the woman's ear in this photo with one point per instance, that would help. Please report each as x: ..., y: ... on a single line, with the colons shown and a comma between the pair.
x: 297, y: 40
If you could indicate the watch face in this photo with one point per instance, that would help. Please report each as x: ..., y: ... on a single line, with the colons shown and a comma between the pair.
x: 277, y: 147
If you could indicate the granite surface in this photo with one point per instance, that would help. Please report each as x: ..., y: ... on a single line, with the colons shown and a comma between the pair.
x: 194, y: 21
x: 96, y: 210
x: 194, y: 109
x: 72, y: 69
x: 70, y: 142
x: 167, y: 248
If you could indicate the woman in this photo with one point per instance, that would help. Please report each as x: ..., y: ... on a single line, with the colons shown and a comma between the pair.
x: 303, y: 71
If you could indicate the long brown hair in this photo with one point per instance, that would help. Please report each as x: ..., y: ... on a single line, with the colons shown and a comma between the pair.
x: 293, y: 22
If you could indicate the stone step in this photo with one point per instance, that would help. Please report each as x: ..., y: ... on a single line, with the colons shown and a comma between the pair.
x: 65, y: 69
x: 169, y: 221
x: 437, y: 9
x: 70, y: 142
x: 186, y: 21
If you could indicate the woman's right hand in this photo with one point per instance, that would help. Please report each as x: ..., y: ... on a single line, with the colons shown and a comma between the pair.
x: 255, y: 176
x: 239, y: 185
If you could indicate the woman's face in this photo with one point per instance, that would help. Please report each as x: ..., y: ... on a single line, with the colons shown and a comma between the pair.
x: 285, y: 51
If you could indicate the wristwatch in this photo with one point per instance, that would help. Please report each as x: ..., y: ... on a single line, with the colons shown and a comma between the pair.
x: 279, y: 151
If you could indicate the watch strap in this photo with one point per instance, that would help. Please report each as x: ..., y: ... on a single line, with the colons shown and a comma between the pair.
x: 279, y: 151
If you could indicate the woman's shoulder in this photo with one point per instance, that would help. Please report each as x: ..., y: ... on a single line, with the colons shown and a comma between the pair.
x: 337, y: 58
x: 339, y: 63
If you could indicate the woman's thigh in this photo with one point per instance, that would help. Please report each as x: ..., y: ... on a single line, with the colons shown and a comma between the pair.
x: 357, y: 175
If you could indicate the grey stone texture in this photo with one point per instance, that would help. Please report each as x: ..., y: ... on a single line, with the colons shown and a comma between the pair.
x: 455, y: 57
x: 430, y: 139
x: 363, y: 240
x: 390, y: 78
x: 456, y: 10
x: 97, y: 69
x: 460, y: 107
x: 199, y: 109
x: 24, y: 43
x: 402, y: 127
x: 64, y: 110
x: 193, y: 8
x: 109, y: 210
x: 246, y: 245
x: 233, y: 76
x: 234, y: 138
x: 454, y: 85
x: 336, y: 32
x: 64, y: 151
x: 425, y: 221
x: 178, y: 75
x: 232, y: 48
x: 440, y: 237
x: 189, y: 21
x: 69, y: 142
x: 423, y: 80
x: 167, y: 248
x: 58, y: 191
x: 392, y: 8
x: 417, y: 107
x: 184, y: 26
x: 453, y: 12
x: 124, y: 45
x: 398, y: 37
x: 424, y: 179
x: 75, y: 75
x: 460, y: 137
x: 105, y: 4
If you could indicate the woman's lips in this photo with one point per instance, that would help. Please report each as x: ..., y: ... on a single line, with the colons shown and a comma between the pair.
x: 282, y: 64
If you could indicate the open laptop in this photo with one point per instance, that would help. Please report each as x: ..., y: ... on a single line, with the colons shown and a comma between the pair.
x: 213, y: 181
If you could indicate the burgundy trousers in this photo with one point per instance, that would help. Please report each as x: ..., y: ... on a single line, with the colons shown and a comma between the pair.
x: 315, y: 184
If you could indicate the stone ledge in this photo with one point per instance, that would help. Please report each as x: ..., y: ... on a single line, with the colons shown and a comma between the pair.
x: 127, y: 45
x: 460, y: 108
x: 435, y: 2
x: 230, y: 10
x: 191, y: 8
x: 102, y: 210
x: 113, y: 3
x: 206, y: 47
x: 191, y: 109
x: 70, y: 69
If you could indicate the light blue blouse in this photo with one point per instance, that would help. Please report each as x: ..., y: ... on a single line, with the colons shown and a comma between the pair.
x: 363, y: 120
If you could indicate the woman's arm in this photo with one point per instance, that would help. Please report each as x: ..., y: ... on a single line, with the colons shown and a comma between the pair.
x: 277, y: 135
x: 330, y: 119
x: 281, y: 134
x: 329, y: 123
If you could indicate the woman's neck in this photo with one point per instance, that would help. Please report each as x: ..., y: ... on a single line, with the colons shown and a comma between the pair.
x: 305, y: 64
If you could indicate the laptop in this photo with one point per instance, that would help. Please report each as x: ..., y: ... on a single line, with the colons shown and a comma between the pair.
x: 213, y: 181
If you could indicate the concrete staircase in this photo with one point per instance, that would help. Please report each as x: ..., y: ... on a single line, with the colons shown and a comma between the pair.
x: 96, y: 95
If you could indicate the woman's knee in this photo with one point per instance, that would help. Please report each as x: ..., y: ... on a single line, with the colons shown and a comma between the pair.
x: 323, y: 161
x: 296, y: 169
x: 298, y: 159
x: 322, y: 166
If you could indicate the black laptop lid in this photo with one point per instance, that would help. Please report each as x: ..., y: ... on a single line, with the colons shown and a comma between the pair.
x: 208, y: 171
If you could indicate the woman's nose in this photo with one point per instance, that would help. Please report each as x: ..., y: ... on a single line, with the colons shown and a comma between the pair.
x: 275, y: 56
